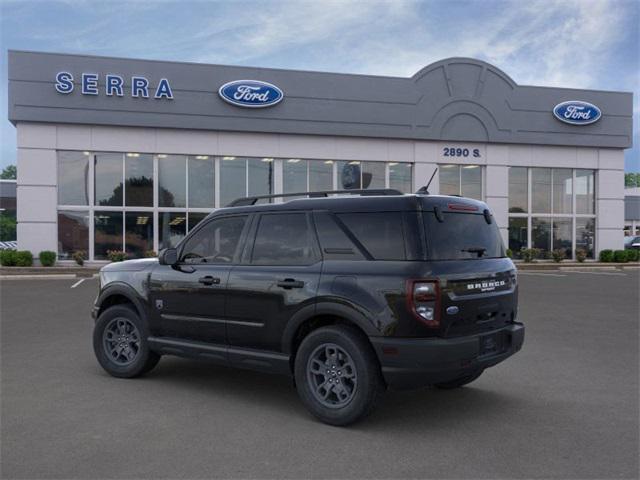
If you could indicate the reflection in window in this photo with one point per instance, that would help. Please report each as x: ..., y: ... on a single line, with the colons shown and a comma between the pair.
x: 260, y: 176
x: 201, y: 182
x: 108, y: 179
x: 562, y: 190
x: 585, y: 197
x: 361, y: 175
x: 172, y: 227
x: 541, y: 190
x: 73, y: 233
x: 284, y: 239
x: 215, y: 242
x: 172, y: 179
x: 138, y: 233
x: 471, y: 181
x: 320, y: 175
x: 233, y: 179
x: 373, y: 175
x: 138, y: 172
x: 517, y: 235
x: 562, y: 235
x: 73, y: 178
x: 541, y: 235
x: 108, y: 233
x: 400, y: 177
x: 195, y: 218
x: 449, y: 179
x: 585, y: 235
x: 518, y: 190
x: 294, y: 175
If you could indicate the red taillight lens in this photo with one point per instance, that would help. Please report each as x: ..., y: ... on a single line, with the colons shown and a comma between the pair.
x: 423, y: 299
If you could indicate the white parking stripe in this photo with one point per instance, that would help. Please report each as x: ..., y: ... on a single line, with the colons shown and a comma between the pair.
x: 599, y: 273
x: 78, y: 283
x: 543, y: 274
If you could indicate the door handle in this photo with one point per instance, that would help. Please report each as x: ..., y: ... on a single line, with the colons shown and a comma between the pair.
x: 288, y: 283
x: 209, y: 280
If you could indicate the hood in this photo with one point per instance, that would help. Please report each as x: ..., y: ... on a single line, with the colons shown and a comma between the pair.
x: 130, y: 265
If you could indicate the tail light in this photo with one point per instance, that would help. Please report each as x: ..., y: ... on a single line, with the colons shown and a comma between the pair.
x: 423, y: 299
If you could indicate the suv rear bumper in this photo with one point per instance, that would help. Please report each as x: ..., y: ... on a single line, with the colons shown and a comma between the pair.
x: 417, y: 362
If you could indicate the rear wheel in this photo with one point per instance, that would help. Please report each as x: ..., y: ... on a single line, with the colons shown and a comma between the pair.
x: 337, y: 375
x: 459, y: 382
x: 120, y: 343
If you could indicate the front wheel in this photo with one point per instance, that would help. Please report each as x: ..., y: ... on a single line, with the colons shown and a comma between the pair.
x: 337, y: 375
x: 120, y: 343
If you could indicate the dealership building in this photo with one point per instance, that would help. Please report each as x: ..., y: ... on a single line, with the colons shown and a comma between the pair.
x: 124, y: 154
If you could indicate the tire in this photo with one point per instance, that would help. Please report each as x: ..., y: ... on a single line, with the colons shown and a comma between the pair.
x: 337, y: 375
x: 459, y: 382
x: 132, y: 357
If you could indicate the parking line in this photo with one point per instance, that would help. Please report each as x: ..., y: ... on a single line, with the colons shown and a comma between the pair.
x: 543, y: 274
x: 599, y: 273
x: 78, y: 283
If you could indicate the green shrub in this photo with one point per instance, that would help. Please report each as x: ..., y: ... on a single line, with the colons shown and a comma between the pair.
x: 24, y: 258
x: 528, y: 254
x: 47, y: 258
x: 79, y: 256
x: 620, y: 256
x: 509, y: 253
x: 8, y: 258
x: 116, y: 255
x: 606, y: 256
x: 581, y: 255
x: 558, y: 255
x: 633, y: 255
x: 150, y: 254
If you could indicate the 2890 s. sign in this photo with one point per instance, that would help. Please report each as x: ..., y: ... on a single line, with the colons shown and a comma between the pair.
x: 250, y: 93
x: 577, y: 112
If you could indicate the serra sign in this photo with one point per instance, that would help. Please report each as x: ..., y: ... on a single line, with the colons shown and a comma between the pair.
x: 113, y: 85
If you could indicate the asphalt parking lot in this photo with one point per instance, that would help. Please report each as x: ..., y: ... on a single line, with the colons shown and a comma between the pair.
x: 565, y: 407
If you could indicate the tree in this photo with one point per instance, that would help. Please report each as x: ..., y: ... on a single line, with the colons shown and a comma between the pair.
x: 9, y: 173
x: 632, y: 180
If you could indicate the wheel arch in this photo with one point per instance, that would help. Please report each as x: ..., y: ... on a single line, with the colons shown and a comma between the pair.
x: 119, y: 294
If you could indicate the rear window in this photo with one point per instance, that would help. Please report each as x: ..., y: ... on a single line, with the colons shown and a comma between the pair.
x: 379, y: 233
x: 462, y: 236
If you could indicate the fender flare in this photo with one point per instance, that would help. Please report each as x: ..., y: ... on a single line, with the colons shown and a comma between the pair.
x: 127, y: 291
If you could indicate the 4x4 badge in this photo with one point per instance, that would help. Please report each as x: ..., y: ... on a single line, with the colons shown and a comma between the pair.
x: 159, y: 304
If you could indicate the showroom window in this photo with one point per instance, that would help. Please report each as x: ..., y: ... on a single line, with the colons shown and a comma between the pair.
x: 551, y: 209
x: 464, y: 180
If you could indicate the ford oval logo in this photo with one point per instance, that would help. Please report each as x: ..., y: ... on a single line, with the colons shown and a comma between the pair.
x: 250, y: 93
x: 577, y: 112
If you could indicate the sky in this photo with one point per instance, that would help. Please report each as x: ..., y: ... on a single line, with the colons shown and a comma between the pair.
x: 568, y: 43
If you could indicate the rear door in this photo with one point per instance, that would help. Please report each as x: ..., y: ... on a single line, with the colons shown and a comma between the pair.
x: 278, y: 276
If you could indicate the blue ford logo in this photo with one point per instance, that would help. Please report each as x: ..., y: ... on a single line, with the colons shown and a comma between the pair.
x: 250, y: 93
x: 576, y: 112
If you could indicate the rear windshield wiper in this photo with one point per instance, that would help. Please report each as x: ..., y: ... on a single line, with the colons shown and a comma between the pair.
x: 479, y: 250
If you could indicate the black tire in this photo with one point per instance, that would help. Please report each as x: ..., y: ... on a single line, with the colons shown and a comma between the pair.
x: 135, y: 358
x: 360, y: 383
x: 459, y: 382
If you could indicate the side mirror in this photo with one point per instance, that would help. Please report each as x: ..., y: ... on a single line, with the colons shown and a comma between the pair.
x: 168, y: 256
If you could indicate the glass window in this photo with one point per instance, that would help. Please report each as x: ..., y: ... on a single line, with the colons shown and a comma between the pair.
x: 335, y: 242
x: 462, y: 236
x: 73, y: 233
x: 73, y: 178
x: 284, y: 239
x: 260, y: 176
x: 373, y: 175
x: 138, y: 172
x: 233, y: 179
x: 586, y: 234
x: 171, y: 228
x: 400, y: 177
x: 449, y: 180
x: 108, y: 179
x: 171, y: 178
x: 562, y: 190
x: 195, y: 218
x: 201, y: 182
x: 138, y: 233
x: 518, y: 190
x: 294, y: 175
x: 320, y: 175
x: 349, y: 175
x: 517, y: 235
x: 108, y: 233
x: 585, y: 192
x: 380, y: 233
x: 471, y: 181
x: 541, y: 235
x: 541, y: 190
x: 215, y: 242
x: 562, y: 235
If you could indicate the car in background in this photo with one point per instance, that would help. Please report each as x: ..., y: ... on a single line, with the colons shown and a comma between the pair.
x: 632, y: 242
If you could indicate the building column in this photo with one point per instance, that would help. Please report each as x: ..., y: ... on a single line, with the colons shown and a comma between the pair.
x: 610, y: 200
x: 497, y: 187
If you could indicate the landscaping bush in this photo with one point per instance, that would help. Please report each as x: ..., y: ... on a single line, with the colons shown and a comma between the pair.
x: 47, y: 258
x: 528, y: 254
x: 150, y: 254
x: 633, y: 255
x: 620, y: 256
x: 24, y: 258
x: 606, y: 256
x: 79, y: 256
x: 509, y: 253
x: 581, y: 255
x: 116, y: 255
x: 558, y: 255
x: 7, y: 258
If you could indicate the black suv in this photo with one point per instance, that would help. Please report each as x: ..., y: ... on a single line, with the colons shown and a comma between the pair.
x: 347, y: 294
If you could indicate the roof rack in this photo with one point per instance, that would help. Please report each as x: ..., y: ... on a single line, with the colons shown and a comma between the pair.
x: 247, y: 201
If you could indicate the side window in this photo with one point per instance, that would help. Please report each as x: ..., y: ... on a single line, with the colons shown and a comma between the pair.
x: 380, y: 233
x: 284, y: 239
x: 216, y: 242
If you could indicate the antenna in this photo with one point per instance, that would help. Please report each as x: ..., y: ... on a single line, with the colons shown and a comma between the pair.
x: 425, y: 190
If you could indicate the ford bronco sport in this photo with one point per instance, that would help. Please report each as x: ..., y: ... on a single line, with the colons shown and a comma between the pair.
x: 349, y: 295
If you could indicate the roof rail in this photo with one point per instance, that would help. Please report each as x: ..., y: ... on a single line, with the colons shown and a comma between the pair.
x: 246, y: 201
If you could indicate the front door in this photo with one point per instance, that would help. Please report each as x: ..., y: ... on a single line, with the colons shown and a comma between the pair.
x: 188, y: 299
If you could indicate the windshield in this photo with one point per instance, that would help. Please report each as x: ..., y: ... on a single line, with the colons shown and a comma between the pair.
x: 462, y: 236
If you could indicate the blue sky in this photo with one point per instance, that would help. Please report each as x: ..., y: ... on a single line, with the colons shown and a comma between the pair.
x: 569, y: 43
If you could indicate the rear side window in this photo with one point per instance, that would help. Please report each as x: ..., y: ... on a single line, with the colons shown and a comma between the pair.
x: 380, y: 233
x: 284, y: 239
x: 462, y: 236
